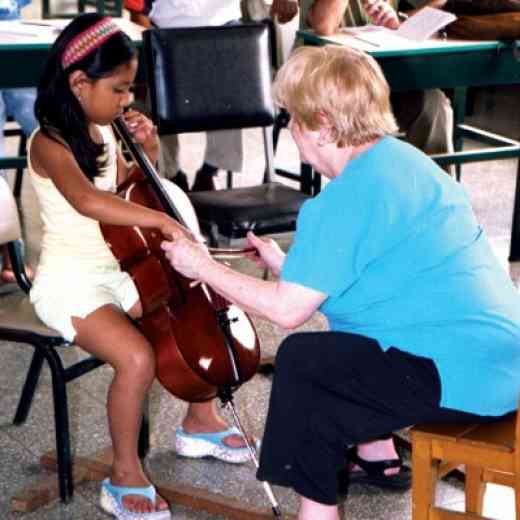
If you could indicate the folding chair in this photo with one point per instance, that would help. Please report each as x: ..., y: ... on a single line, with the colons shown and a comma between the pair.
x: 20, y: 324
x: 22, y: 151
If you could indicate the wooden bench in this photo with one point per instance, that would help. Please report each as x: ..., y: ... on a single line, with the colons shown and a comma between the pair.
x: 490, y: 453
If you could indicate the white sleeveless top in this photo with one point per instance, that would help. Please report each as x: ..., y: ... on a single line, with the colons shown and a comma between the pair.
x: 71, y: 241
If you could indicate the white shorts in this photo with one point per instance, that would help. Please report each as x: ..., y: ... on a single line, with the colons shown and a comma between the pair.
x: 58, y: 298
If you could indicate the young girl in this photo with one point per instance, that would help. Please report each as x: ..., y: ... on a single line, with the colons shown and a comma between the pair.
x: 79, y: 288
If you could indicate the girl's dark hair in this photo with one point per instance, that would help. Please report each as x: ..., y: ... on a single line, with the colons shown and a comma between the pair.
x: 58, y: 110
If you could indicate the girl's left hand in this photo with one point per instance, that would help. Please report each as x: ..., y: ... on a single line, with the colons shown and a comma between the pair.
x: 187, y: 257
x: 142, y: 129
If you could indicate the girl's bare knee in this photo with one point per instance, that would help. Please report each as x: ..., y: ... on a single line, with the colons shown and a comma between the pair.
x: 140, y: 364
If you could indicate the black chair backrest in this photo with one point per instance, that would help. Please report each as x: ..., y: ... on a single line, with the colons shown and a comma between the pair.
x: 209, y: 78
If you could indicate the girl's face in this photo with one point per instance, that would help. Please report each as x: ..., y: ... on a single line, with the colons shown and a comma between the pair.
x: 105, y: 99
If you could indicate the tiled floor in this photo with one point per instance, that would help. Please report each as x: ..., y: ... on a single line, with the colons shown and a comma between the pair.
x: 490, y: 187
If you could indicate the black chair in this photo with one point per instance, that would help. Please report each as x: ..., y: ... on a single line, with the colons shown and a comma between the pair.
x: 20, y: 324
x: 308, y: 178
x: 22, y: 152
x: 214, y: 78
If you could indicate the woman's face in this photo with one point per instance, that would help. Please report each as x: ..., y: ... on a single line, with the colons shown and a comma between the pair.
x: 105, y: 99
x: 307, y: 142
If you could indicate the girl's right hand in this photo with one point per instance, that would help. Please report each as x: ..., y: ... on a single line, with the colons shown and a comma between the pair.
x: 172, y: 230
x: 268, y: 253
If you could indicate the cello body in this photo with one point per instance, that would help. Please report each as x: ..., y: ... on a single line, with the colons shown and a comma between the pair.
x: 202, y: 343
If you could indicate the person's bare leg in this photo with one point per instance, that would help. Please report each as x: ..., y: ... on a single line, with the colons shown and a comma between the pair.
x: 108, y: 334
x: 204, y: 418
x: 310, y: 510
x: 7, y: 275
x: 378, y: 450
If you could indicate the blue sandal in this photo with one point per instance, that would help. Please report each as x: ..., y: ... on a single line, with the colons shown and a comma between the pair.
x: 111, y: 501
x: 199, y: 445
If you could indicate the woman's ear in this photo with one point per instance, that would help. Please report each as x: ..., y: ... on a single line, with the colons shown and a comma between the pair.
x: 327, y: 131
x: 327, y: 135
x: 77, y: 82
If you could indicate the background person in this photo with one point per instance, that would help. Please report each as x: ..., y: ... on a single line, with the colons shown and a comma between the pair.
x: 425, y: 116
x: 19, y: 104
x: 224, y: 148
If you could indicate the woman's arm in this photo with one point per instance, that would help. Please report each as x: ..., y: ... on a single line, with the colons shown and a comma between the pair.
x: 286, y: 304
x: 325, y: 16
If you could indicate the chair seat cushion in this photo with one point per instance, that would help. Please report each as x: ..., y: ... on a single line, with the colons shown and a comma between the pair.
x: 21, y: 317
x: 265, y: 208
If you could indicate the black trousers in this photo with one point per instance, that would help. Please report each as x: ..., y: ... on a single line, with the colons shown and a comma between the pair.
x: 334, y: 389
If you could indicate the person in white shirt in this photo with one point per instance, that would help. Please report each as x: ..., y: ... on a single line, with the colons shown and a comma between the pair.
x: 224, y: 150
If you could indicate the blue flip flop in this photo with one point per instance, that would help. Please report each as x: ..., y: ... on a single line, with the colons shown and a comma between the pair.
x: 199, y: 445
x: 111, y: 502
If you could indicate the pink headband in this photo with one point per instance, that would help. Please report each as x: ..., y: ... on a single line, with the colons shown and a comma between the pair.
x: 87, y: 41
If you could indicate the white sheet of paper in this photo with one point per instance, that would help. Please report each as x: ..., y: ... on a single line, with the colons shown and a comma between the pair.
x: 425, y: 23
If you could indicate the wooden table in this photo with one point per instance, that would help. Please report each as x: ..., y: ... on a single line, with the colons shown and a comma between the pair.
x: 447, y: 64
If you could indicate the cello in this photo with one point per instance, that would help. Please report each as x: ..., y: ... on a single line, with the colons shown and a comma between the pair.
x: 204, y: 345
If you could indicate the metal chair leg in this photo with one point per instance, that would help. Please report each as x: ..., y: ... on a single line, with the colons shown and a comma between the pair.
x: 22, y: 150
x: 61, y: 421
x: 29, y: 387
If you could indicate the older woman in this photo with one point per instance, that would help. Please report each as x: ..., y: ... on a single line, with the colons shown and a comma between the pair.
x: 425, y: 324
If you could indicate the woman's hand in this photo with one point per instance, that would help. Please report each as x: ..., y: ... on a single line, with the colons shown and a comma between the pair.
x: 172, y: 230
x: 381, y: 13
x: 143, y: 131
x: 187, y: 257
x: 268, y: 253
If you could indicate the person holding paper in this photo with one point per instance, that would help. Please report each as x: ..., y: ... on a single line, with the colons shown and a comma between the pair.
x: 426, y: 116
x: 19, y: 104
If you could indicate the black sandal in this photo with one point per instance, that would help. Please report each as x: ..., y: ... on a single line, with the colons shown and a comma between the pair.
x: 373, y: 473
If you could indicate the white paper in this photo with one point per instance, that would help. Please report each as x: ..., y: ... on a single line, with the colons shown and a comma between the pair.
x: 419, y: 27
x: 425, y: 23
x: 18, y: 28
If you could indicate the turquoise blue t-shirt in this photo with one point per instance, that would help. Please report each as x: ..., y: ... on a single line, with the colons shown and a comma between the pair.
x: 394, y: 244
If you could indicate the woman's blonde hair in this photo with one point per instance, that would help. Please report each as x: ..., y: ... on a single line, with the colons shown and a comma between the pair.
x: 343, y: 86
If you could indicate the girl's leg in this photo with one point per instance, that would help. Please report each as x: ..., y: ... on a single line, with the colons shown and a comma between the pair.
x: 310, y: 510
x: 109, y: 335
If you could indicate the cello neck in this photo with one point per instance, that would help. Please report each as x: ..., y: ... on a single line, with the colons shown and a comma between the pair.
x: 148, y: 169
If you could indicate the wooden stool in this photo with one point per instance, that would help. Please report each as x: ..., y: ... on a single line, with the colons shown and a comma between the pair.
x: 490, y: 453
